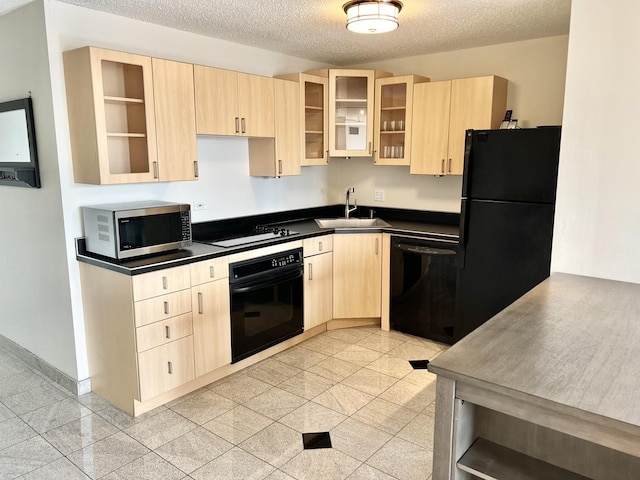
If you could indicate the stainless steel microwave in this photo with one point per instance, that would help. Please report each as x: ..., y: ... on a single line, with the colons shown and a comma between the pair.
x: 126, y: 230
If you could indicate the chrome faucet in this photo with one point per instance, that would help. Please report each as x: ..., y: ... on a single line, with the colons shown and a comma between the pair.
x: 347, y: 209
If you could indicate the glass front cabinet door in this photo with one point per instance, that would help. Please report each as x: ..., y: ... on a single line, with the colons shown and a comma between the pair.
x: 393, y: 116
x: 351, y: 94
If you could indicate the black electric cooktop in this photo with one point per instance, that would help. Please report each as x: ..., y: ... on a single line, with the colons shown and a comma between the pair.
x: 258, y: 234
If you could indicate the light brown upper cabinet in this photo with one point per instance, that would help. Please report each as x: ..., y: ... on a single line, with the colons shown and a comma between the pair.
x: 175, y: 120
x: 393, y: 119
x: 115, y: 111
x: 233, y: 103
x: 314, y: 117
x: 443, y: 111
x: 351, y: 96
x: 279, y: 156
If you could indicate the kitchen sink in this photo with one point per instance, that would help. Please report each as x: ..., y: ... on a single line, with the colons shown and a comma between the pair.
x: 351, y: 223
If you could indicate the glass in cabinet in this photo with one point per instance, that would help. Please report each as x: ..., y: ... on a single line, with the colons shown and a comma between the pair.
x: 393, y: 119
x: 351, y: 94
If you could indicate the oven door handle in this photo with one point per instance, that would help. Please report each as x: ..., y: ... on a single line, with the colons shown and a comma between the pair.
x: 263, y: 281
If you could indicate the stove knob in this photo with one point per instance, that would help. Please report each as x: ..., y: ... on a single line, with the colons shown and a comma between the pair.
x: 275, y: 230
x: 283, y: 233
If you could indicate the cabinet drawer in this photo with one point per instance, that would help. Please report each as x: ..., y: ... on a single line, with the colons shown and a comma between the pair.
x: 163, y: 307
x: 163, y: 281
x: 166, y: 367
x: 164, y: 331
x: 209, y: 270
x: 316, y: 245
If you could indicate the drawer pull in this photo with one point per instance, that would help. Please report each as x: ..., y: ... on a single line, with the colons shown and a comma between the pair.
x: 165, y: 283
x: 212, y: 271
x: 166, y: 308
x: 319, y: 246
x: 310, y: 271
x: 200, y: 303
x: 170, y: 368
x: 168, y: 331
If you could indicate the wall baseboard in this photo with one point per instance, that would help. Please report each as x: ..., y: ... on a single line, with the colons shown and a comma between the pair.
x: 77, y: 387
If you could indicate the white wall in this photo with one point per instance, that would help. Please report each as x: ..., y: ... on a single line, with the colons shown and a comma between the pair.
x: 35, y: 302
x: 536, y: 73
x: 597, y: 227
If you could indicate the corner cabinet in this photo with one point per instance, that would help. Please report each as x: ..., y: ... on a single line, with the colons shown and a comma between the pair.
x: 279, y: 156
x: 318, y: 281
x: 115, y: 111
x: 357, y: 275
x: 233, y: 103
x: 393, y: 119
x: 443, y: 111
x: 351, y: 100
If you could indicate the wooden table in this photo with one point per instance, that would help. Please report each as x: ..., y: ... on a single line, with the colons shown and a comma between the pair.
x: 548, y: 388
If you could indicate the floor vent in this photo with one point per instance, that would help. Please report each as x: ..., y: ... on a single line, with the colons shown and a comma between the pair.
x: 316, y: 440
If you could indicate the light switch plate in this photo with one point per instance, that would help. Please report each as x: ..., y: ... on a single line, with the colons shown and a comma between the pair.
x: 378, y: 195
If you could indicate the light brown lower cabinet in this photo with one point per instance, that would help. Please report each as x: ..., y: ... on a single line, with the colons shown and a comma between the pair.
x: 166, y: 367
x: 211, y: 325
x: 148, y: 334
x: 318, y: 281
x: 357, y: 275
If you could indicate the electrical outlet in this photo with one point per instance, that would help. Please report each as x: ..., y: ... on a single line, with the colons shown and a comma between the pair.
x: 378, y: 195
x: 199, y: 205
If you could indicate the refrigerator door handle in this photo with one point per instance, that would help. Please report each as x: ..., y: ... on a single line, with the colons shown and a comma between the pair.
x: 466, y: 174
x: 464, y: 224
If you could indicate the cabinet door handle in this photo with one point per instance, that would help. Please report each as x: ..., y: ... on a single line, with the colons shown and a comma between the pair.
x: 244, y: 125
x: 155, y: 169
x: 377, y: 246
x: 279, y: 167
x: 310, y: 271
x: 166, y: 308
x: 167, y: 331
x: 449, y: 166
x: 319, y: 246
x: 200, y: 303
x: 212, y: 271
x: 370, y: 147
x: 165, y: 283
x: 443, y: 166
x: 327, y: 157
x: 170, y: 368
x: 237, y: 125
x: 195, y: 169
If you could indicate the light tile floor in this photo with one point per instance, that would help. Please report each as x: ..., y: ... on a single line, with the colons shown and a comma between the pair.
x: 355, y: 383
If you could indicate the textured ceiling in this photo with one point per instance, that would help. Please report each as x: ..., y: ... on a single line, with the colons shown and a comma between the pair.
x: 315, y: 29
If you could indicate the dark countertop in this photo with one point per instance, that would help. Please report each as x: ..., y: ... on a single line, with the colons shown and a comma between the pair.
x: 437, y: 225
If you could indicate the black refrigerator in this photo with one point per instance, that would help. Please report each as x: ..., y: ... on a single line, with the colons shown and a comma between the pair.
x: 506, y: 220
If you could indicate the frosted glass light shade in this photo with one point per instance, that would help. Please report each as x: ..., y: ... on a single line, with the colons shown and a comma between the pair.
x: 372, y: 16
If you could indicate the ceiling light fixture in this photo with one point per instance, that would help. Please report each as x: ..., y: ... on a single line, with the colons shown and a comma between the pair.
x: 372, y: 16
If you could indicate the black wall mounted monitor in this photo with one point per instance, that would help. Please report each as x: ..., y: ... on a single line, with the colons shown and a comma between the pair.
x: 18, y: 153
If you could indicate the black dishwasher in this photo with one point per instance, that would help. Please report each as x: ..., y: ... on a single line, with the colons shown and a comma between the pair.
x: 423, y: 287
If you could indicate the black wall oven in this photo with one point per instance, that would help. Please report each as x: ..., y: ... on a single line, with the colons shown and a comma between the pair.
x: 266, y: 302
